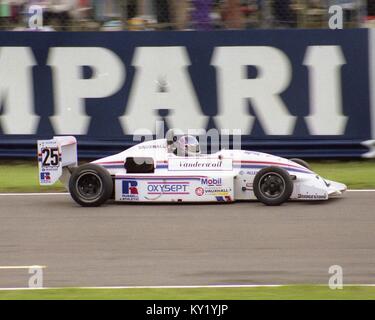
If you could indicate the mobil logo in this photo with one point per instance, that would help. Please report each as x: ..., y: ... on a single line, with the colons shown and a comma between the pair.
x: 129, y: 187
x: 211, y: 181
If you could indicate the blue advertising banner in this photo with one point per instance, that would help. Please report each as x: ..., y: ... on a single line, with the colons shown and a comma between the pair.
x: 298, y: 93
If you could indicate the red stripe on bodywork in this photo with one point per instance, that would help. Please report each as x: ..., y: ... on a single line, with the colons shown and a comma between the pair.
x: 109, y: 162
x: 168, y: 193
x: 269, y: 162
x: 170, y: 182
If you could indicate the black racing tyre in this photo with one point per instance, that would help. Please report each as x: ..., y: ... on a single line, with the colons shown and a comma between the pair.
x: 303, y: 163
x: 272, y: 186
x: 90, y: 185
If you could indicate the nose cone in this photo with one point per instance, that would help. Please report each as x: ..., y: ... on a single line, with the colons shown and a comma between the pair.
x: 335, y: 189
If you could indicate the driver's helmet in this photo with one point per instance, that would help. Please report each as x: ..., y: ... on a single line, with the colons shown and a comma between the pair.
x: 188, y: 146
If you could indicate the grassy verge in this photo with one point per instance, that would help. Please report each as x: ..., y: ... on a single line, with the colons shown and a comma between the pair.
x: 355, y: 174
x: 259, y: 293
x: 23, y: 176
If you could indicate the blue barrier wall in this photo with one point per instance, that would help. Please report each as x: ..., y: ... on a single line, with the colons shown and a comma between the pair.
x: 301, y: 93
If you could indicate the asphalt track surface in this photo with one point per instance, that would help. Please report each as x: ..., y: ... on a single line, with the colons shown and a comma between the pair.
x: 147, y: 245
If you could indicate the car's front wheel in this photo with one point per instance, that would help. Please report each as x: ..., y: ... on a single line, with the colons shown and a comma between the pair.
x: 90, y: 185
x: 273, y: 186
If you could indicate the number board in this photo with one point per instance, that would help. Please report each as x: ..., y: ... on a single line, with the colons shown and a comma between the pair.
x: 49, y: 162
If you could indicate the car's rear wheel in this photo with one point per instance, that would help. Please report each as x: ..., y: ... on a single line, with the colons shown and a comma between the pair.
x: 301, y: 162
x: 90, y: 185
x: 273, y: 186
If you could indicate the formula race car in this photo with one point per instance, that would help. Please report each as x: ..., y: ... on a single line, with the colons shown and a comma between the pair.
x: 174, y: 170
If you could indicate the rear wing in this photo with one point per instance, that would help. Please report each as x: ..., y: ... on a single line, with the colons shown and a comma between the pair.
x: 55, y: 154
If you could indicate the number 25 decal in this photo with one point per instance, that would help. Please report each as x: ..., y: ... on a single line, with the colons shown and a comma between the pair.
x: 50, y: 157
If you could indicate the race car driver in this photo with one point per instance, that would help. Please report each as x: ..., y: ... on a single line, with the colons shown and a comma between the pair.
x: 187, y: 146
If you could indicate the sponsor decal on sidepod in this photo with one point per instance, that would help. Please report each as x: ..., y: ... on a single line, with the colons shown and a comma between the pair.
x: 130, y: 190
x: 167, y: 188
x: 211, y: 181
x: 217, y: 191
x: 213, y: 187
x: 199, y: 191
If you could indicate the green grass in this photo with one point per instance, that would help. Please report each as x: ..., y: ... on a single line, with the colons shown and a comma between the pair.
x: 355, y: 174
x: 23, y: 176
x: 304, y: 292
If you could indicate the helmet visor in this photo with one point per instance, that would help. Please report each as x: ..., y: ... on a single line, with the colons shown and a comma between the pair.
x: 189, y: 145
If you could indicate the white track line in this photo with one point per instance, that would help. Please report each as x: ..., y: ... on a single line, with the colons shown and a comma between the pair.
x: 67, y: 193
x: 35, y: 194
x: 188, y: 287
x: 185, y: 287
x: 21, y: 267
x: 155, y: 287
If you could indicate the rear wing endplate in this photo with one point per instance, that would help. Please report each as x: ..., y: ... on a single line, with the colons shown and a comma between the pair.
x: 53, y: 155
